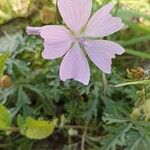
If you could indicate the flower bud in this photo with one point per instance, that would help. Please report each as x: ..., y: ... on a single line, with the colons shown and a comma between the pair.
x: 72, y: 132
x: 136, y: 73
x: 5, y: 81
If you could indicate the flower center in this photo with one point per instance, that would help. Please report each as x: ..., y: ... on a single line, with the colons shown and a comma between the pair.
x: 83, y: 41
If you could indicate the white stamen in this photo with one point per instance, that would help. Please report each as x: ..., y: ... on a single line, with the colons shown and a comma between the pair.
x: 83, y: 41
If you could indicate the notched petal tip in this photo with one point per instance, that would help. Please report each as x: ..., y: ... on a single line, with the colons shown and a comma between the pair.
x: 82, y: 82
x: 122, y: 24
x: 101, y: 53
x: 57, y: 41
x: 49, y: 55
x: 28, y: 29
x: 107, y: 69
x: 122, y: 51
x: 33, y: 30
x: 86, y: 83
x: 44, y: 55
x: 107, y: 72
x: 102, y: 23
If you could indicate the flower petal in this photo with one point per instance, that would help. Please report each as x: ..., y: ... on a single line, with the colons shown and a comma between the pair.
x: 75, y: 13
x: 101, y: 52
x: 33, y: 30
x: 57, y: 40
x: 103, y: 23
x: 53, y: 51
x: 75, y: 66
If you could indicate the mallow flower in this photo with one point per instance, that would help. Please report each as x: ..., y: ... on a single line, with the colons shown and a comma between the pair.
x: 81, y: 39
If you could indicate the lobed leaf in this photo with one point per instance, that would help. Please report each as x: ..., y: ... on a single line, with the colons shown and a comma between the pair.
x: 5, y: 118
x: 39, y: 129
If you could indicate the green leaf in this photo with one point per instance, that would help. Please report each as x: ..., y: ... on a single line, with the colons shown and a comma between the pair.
x: 22, y: 99
x: 108, y: 119
x: 21, y: 67
x: 3, y: 58
x: 39, y: 129
x: 21, y: 124
x: 5, y: 118
x: 118, y: 138
x: 137, y: 140
x: 34, y: 89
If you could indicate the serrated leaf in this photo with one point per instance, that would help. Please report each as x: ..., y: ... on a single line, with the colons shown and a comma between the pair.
x: 137, y: 141
x: 108, y: 119
x: 21, y: 67
x: 34, y: 89
x: 22, y: 97
x: 39, y: 129
x: 110, y: 143
x: 5, y: 118
x: 3, y: 58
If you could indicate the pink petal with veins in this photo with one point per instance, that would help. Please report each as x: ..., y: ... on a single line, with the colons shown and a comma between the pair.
x: 101, y: 53
x: 75, y: 13
x: 103, y: 23
x: 75, y: 66
x: 57, y: 40
x: 33, y: 30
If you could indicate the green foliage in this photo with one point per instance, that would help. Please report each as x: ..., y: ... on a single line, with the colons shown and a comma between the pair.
x: 21, y: 124
x: 122, y: 130
x: 39, y: 129
x: 102, y: 115
x: 3, y: 59
x: 33, y: 129
x: 117, y: 138
x: 5, y: 118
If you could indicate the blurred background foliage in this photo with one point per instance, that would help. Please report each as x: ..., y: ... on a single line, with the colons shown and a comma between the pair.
x: 111, y: 113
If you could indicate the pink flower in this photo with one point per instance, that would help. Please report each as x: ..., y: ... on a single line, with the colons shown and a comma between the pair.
x: 81, y: 39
